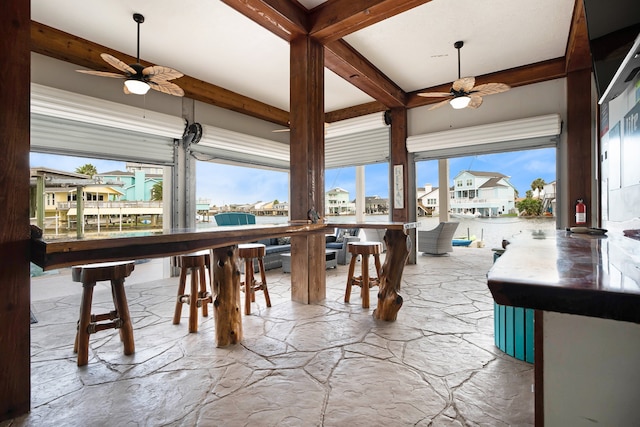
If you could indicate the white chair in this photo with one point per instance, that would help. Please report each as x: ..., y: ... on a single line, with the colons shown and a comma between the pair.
x: 438, y: 240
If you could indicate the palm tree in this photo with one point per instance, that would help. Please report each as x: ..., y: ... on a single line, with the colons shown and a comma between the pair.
x: 87, y: 169
x: 156, y: 192
x: 538, y: 184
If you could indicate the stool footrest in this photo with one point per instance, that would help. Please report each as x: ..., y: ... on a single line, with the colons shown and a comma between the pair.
x: 113, y: 314
x: 92, y: 328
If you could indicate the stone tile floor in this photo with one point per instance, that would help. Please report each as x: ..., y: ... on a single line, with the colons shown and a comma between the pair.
x: 328, y: 364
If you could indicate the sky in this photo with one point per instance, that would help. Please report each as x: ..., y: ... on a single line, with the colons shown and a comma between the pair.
x: 225, y: 184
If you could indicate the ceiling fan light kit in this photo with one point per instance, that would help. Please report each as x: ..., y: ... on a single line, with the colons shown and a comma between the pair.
x: 460, y: 102
x: 464, y: 93
x: 137, y: 87
x: 138, y: 78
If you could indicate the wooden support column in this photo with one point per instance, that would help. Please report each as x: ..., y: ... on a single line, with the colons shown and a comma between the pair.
x: 579, y: 145
x: 403, y: 182
x: 226, y: 295
x: 389, y: 299
x: 307, y: 168
x: 15, y: 64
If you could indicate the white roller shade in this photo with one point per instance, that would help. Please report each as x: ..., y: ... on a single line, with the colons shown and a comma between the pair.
x: 532, y: 132
x: 355, y: 142
x: 67, y: 137
x: 62, y: 104
x: 68, y: 123
x: 227, y: 146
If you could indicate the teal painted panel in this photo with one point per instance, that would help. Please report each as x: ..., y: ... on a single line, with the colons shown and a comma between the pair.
x: 496, y: 323
x: 501, y: 337
x: 529, y: 329
x: 520, y: 334
x: 509, y: 332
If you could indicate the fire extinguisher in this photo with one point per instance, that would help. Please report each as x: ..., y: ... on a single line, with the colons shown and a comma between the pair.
x: 581, y: 213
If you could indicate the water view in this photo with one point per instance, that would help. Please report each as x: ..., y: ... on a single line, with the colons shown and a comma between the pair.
x: 490, y: 230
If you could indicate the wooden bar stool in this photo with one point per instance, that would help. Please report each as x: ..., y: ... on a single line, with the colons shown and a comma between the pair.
x: 248, y: 252
x: 119, y: 318
x: 364, y: 281
x: 196, y: 264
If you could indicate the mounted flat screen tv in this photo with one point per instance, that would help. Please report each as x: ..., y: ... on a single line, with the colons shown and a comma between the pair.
x: 614, y: 34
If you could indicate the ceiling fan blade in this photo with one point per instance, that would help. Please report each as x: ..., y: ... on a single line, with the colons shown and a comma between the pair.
x: 166, y: 87
x: 464, y: 84
x: 490, y: 89
x: 435, y: 94
x: 125, y: 89
x: 103, y: 74
x: 439, y: 104
x: 116, y: 63
x: 281, y: 130
x: 475, y: 102
x: 159, y: 72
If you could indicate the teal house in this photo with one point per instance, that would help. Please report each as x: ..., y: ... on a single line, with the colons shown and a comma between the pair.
x: 137, y: 182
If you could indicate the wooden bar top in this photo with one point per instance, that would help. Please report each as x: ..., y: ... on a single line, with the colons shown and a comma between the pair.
x: 52, y: 253
x: 596, y: 276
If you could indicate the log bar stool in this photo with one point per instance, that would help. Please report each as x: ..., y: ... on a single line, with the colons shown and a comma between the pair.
x: 248, y: 252
x: 364, y: 281
x: 88, y: 324
x: 196, y: 264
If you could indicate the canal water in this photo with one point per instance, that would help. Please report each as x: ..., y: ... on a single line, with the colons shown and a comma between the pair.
x: 490, y: 230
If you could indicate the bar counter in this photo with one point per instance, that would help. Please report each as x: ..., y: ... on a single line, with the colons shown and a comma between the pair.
x: 54, y: 253
x: 589, y: 275
x: 586, y: 294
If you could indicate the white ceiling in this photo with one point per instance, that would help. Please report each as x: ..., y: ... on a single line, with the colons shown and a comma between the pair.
x: 210, y: 41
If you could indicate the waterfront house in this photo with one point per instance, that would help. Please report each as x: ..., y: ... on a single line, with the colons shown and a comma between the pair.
x: 375, y: 205
x: 428, y: 200
x: 337, y: 202
x: 137, y: 181
x: 482, y: 194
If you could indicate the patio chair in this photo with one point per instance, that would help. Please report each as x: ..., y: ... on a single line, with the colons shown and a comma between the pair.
x: 339, y: 242
x: 438, y: 240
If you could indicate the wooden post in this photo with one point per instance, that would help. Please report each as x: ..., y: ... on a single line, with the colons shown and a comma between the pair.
x: 307, y: 168
x: 579, y: 146
x: 389, y: 301
x: 226, y: 296
x: 15, y: 57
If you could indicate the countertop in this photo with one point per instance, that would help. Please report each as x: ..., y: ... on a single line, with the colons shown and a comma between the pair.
x: 596, y: 276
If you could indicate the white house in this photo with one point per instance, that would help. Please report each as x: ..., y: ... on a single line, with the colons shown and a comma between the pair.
x: 481, y: 194
x: 336, y: 202
x: 428, y: 200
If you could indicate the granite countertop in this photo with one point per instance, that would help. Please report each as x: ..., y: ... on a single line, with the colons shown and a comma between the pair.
x: 596, y: 276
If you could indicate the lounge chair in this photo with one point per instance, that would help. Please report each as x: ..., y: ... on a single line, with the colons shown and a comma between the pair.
x: 438, y: 240
x: 339, y: 242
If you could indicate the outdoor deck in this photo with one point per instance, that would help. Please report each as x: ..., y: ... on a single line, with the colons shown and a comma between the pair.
x: 328, y: 364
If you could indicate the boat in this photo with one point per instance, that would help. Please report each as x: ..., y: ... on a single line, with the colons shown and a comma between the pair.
x: 461, y: 242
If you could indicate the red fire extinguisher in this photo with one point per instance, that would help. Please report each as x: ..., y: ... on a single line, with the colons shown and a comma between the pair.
x: 581, y: 213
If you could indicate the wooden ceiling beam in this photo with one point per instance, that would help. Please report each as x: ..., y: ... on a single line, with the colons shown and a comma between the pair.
x: 339, y: 57
x: 349, y: 64
x: 284, y: 18
x: 355, y: 111
x: 578, y: 53
x: 335, y: 19
x: 59, y: 45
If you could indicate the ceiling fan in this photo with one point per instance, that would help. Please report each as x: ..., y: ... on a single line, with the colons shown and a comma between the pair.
x: 138, y: 78
x: 463, y: 93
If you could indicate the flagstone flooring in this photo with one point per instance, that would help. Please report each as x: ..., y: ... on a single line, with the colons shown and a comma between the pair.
x: 327, y: 364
